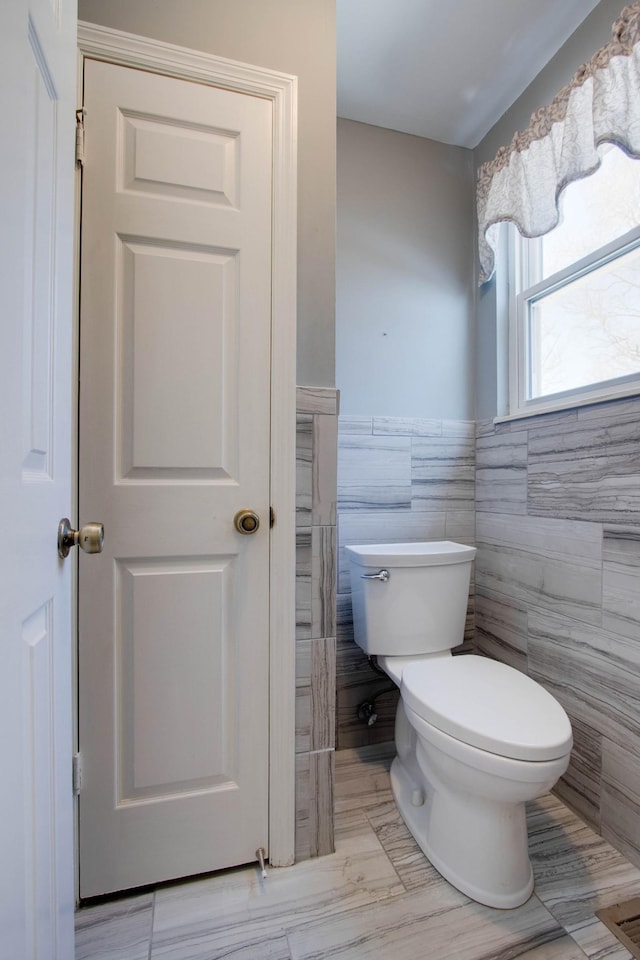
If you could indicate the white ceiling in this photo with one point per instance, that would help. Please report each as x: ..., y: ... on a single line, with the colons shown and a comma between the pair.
x: 445, y: 69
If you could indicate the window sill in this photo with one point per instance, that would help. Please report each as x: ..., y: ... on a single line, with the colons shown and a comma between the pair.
x: 574, y: 404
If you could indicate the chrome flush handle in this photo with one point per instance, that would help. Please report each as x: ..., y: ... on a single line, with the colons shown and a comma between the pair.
x: 382, y: 575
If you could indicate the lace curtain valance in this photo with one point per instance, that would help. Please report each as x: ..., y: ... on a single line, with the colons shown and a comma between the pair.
x: 600, y: 104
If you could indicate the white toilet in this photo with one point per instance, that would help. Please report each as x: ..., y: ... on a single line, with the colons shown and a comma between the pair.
x: 475, y: 739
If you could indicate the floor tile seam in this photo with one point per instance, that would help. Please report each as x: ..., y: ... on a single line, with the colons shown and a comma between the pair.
x: 571, y: 926
x: 591, y: 921
x: 382, y: 847
x: 583, y: 952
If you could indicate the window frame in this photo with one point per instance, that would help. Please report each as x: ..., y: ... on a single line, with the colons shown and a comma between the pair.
x: 524, y: 259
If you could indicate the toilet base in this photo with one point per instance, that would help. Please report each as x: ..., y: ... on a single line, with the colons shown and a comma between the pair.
x: 479, y: 847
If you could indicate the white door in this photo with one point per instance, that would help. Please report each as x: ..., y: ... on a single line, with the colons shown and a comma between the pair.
x: 37, y: 103
x: 174, y: 441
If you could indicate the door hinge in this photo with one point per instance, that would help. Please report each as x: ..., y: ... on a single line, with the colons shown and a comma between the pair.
x: 80, y: 115
x: 272, y: 517
x: 77, y: 773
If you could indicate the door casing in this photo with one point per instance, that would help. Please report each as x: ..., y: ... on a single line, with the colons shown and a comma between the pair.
x: 114, y: 46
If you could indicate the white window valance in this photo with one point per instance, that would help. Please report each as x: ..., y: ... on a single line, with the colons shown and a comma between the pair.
x: 600, y: 104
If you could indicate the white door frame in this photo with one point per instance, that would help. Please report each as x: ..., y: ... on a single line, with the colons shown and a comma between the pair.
x: 114, y: 46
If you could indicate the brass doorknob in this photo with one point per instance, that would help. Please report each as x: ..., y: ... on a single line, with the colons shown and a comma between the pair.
x: 89, y: 538
x: 246, y: 521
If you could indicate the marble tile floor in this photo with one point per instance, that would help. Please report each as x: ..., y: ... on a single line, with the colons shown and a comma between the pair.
x: 376, y: 898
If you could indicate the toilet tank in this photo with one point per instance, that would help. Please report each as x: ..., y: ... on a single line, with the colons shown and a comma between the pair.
x: 421, y: 607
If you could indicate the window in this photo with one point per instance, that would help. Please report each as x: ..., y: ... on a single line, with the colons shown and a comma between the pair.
x: 575, y: 309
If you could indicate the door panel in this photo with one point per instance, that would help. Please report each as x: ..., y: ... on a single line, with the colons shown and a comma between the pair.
x: 36, y: 804
x: 174, y: 440
x: 174, y: 373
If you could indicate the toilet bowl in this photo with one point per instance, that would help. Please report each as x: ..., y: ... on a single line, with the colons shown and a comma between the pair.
x: 475, y: 739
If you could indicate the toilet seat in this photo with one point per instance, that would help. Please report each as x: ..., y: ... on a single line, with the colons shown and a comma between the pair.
x: 488, y: 705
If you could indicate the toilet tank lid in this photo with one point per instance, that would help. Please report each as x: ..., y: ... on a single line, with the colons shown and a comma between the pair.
x: 422, y: 554
x: 488, y: 705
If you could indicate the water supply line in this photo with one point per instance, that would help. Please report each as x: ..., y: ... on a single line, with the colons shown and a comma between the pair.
x: 366, y: 711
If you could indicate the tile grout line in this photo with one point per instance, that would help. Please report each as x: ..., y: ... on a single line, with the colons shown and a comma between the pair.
x: 392, y: 864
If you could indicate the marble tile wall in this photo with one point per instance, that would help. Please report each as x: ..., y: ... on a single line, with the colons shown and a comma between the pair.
x: 316, y: 451
x: 398, y: 480
x: 558, y: 588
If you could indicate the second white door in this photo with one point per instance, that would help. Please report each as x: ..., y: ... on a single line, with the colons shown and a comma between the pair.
x: 174, y: 441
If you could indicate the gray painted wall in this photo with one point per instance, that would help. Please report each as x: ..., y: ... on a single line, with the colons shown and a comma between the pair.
x: 580, y: 47
x: 291, y: 37
x: 405, y: 342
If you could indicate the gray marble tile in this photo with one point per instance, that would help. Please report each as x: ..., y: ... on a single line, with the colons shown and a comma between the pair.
x: 410, y: 863
x: 407, y: 427
x: 304, y: 469
x: 322, y: 684
x: 501, y: 629
x: 544, y: 420
x: 485, y: 428
x: 450, y: 925
x: 564, y: 586
x: 303, y: 582
x: 576, y: 871
x: 594, y: 674
x: 374, y: 494
x: 459, y: 524
x: 570, y: 540
x: 468, y: 643
x: 501, y: 473
x: 365, y: 460
x: 580, y: 786
x: 443, y: 458
x: 629, y: 407
x: 321, y: 803
x: 459, y: 428
x: 115, y: 930
x: 442, y: 495
x: 323, y: 581
x: 314, y: 804
x: 586, y: 470
x: 598, y: 942
x: 621, y: 581
x: 302, y: 803
x: 348, y: 424
x: 197, y: 945
x: 324, y: 470
x: 378, y: 526
x: 352, y: 904
x: 303, y: 695
x: 351, y: 823
x: 229, y: 912
x: 344, y: 616
x: 362, y: 777
x: 318, y: 400
x: 620, y: 808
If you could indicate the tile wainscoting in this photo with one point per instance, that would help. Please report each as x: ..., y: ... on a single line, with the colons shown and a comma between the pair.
x: 400, y: 480
x: 317, y: 427
x: 558, y: 588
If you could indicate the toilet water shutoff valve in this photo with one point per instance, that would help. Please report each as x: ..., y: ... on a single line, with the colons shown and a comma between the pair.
x: 367, y: 712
